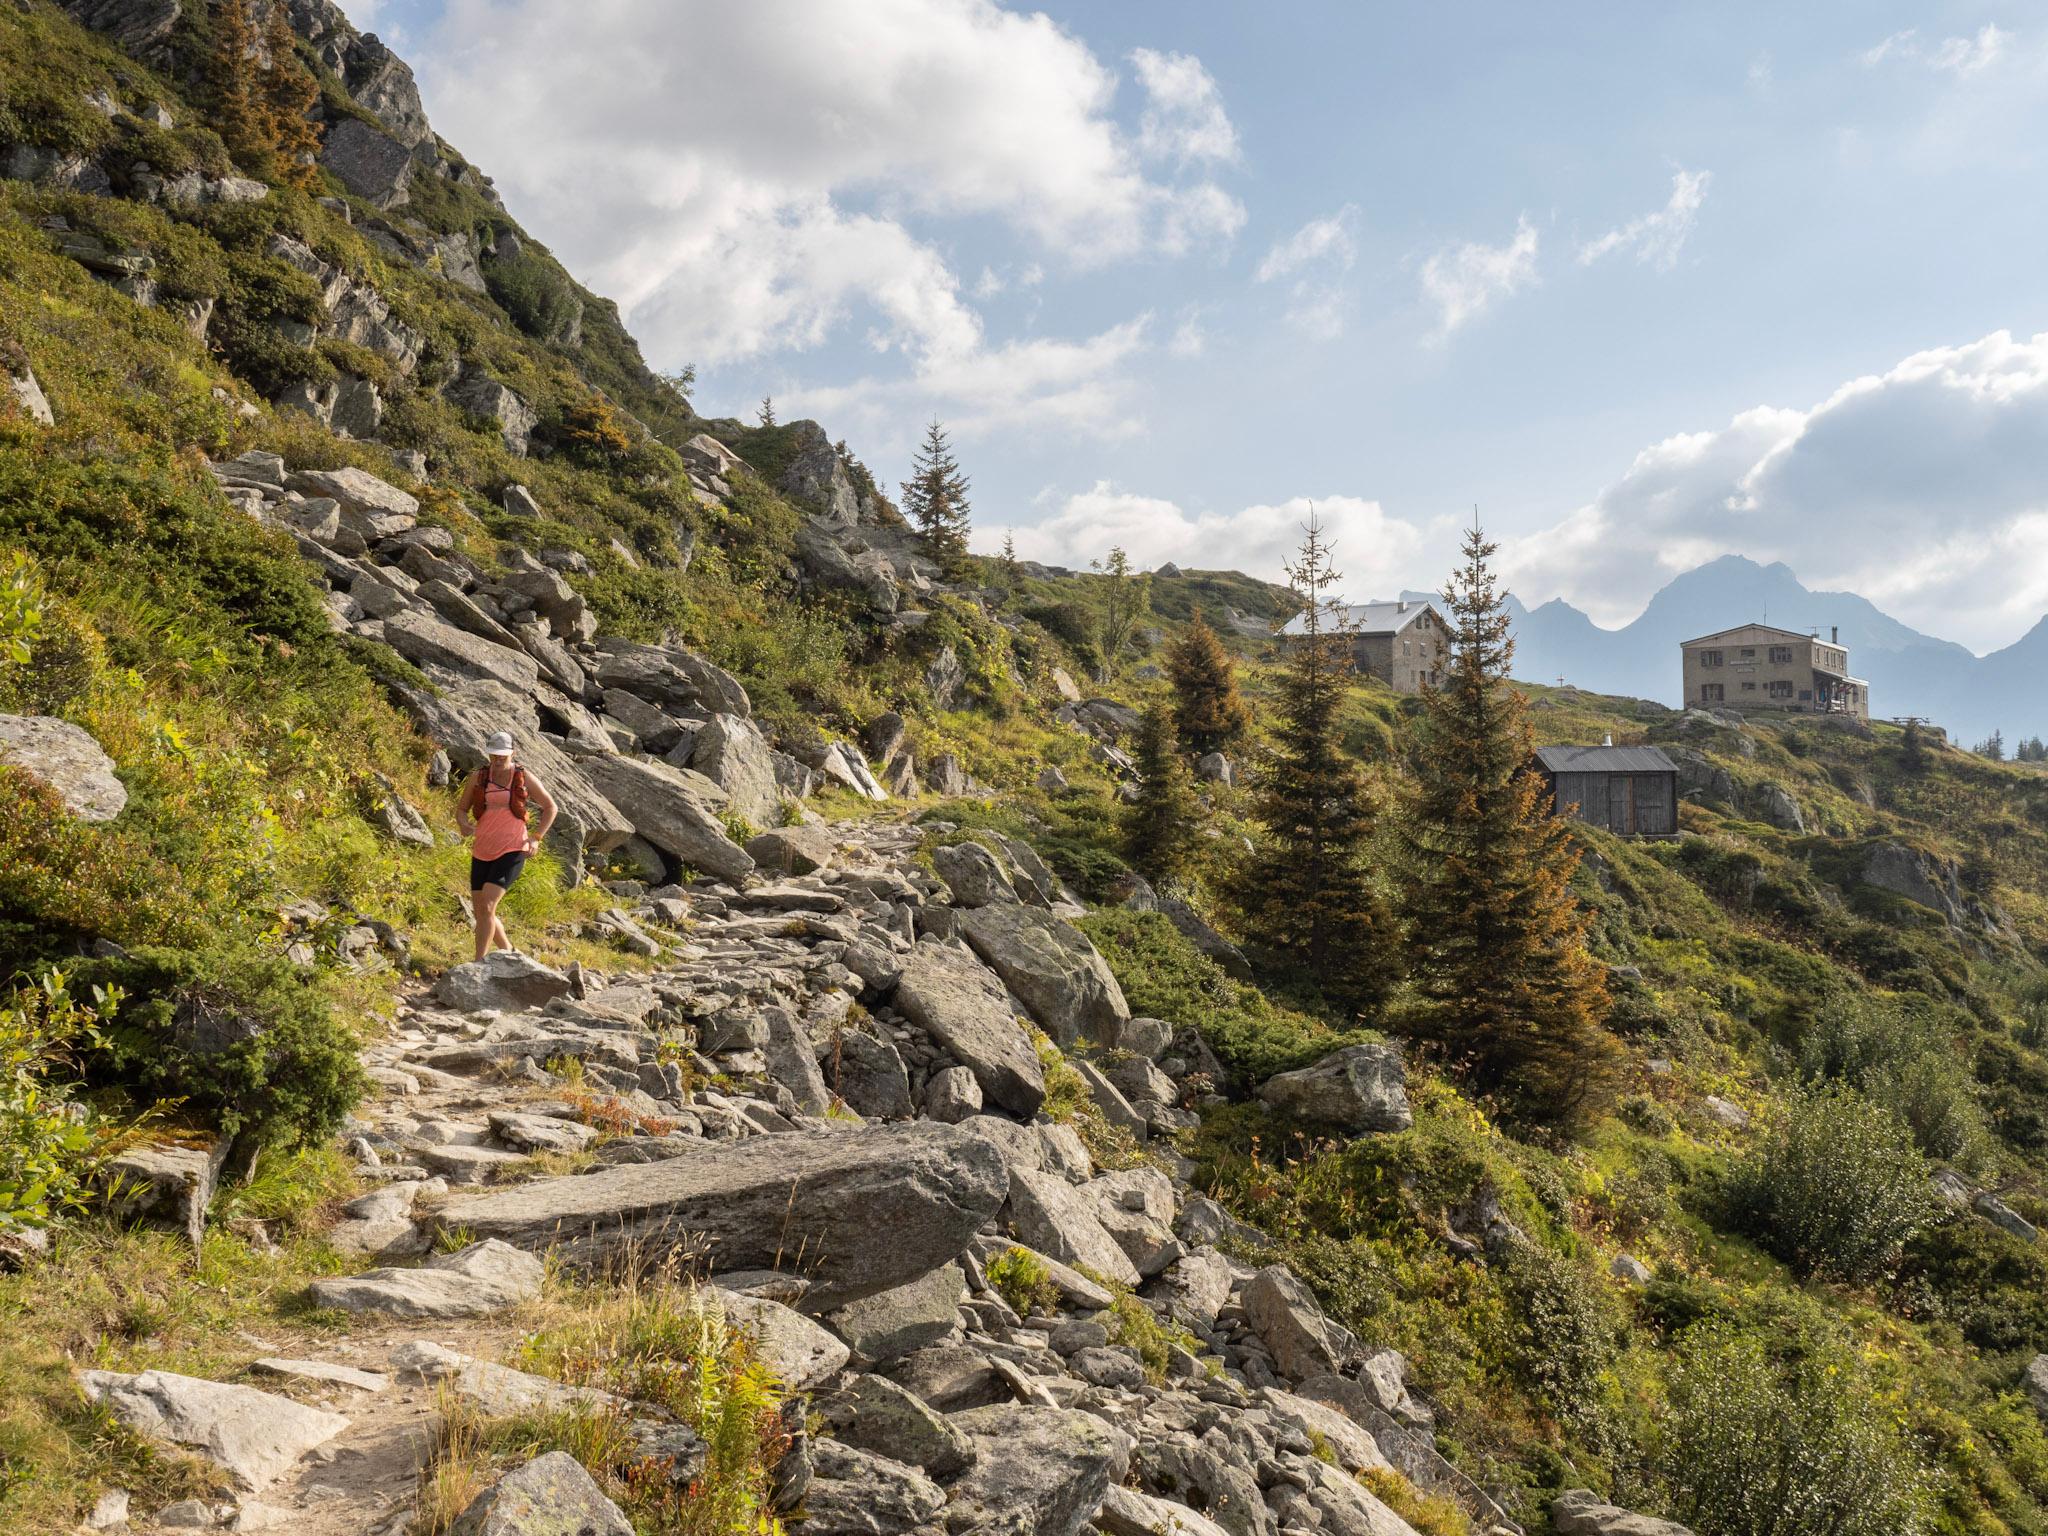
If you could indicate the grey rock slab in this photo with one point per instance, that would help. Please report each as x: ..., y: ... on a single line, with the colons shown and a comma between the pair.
x: 953, y: 998
x: 950, y: 1377
x: 2036, y: 1383
x: 497, y: 1389
x: 1200, y: 1283
x: 1116, y: 1109
x: 1354, y: 1448
x: 1052, y: 1215
x: 677, y: 813
x: 502, y: 980
x: 64, y: 757
x: 732, y: 753
x: 550, y: 1496
x: 1127, y: 1512
x: 793, y: 1062
x: 793, y: 850
x: 856, y: 1211
x: 868, y: 1074
x: 380, y: 508
x: 876, y: 1414
x: 1076, y: 1288
x: 975, y: 876
x: 1292, y: 1326
x: 1580, y: 1512
x: 801, y: 1354
x: 167, y: 1181
x: 540, y: 1133
x: 1052, y: 968
x: 951, y: 1095
x: 856, y: 1492
x: 323, y: 1372
x: 1039, y: 1472
x: 483, y: 1278
x: 426, y: 640
x: 254, y: 1436
x: 1359, y: 1088
x: 904, y: 1319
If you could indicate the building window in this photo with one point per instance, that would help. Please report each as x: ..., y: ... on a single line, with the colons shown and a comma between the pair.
x: 1712, y: 693
x: 1781, y: 654
x: 1781, y: 690
x: 1806, y: 695
x: 1710, y: 658
x: 1749, y: 653
x: 1749, y: 687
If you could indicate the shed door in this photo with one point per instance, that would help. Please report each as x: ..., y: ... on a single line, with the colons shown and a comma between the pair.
x: 1621, y: 803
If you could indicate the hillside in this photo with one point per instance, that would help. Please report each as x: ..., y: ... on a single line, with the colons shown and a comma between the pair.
x: 857, y: 1142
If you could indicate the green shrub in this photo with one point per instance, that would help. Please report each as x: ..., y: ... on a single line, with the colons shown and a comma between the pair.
x: 1836, y: 1188
x: 1567, y: 1332
x: 1805, y: 1447
x: 1022, y: 1280
x: 243, y: 1042
x: 45, y: 1144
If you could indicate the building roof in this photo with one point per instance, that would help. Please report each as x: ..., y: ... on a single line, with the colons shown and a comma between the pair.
x: 1605, y: 760
x: 1365, y: 618
x: 1769, y: 629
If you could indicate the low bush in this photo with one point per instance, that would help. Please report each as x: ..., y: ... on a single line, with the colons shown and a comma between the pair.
x: 1803, y: 1447
x: 242, y: 1043
x: 1836, y: 1188
x: 1021, y: 1278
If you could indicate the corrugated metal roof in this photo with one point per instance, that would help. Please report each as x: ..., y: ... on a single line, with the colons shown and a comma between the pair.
x: 1605, y: 760
x: 1364, y: 618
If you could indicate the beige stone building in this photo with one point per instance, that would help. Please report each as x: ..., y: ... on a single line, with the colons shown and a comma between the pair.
x: 1754, y: 666
x: 1404, y: 644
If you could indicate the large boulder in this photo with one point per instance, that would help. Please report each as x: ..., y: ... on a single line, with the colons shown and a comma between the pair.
x: 1056, y: 1218
x: 477, y: 393
x: 1303, y: 1342
x: 1052, y: 968
x: 19, y: 380
x: 857, y: 1212
x: 952, y: 997
x: 1127, y: 1512
x: 139, y: 27
x: 675, y: 811
x: 1581, y: 1512
x: 853, y: 1492
x: 815, y: 476
x: 253, y: 1436
x: 672, y: 677
x: 975, y: 876
x: 1919, y: 877
x: 369, y: 162
x: 550, y: 1496
x: 1359, y: 1088
x: 1038, y: 1472
x: 481, y: 1279
x: 64, y: 757
x: 426, y: 640
x: 167, y: 1182
x: 503, y: 979
x: 732, y: 753
x: 801, y: 1354
x: 905, y: 1319
x: 877, y: 1414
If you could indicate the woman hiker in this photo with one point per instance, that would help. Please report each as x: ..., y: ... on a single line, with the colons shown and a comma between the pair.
x: 494, y: 803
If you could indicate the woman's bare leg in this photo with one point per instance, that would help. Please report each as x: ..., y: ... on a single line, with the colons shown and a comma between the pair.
x: 488, y: 928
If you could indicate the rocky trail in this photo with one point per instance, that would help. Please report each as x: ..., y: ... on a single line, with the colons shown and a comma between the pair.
x: 827, y: 1095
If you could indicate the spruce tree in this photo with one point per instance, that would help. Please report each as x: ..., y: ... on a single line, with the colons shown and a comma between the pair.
x: 1159, y: 826
x: 239, y: 112
x: 1307, y: 898
x: 1913, y: 748
x: 1497, y: 941
x: 290, y: 93
x: 767, y: 410
x: 935, y: 498
x: 1209, y: 713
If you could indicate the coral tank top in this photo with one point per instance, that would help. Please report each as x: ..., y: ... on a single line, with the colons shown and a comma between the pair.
x: 498, y: 831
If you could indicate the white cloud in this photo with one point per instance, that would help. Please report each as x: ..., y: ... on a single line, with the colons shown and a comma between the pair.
x: 1959, y: 56
x: 1324, y: 240
x: 1969, y: 55
x: 1924, y: 488
x: 1657, y: 238
x: 1189, y: 339
x: 1375, y: 553
x: 1184, y: 118
x: 1316, y: 256
x: 1463, y: 281
x: 755, y: 178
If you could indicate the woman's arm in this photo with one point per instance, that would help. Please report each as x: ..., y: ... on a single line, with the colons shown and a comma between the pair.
x: 538, y: 794
x: 463, y: 822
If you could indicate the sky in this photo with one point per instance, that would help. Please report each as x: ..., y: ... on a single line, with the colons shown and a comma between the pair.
x: 1642, y: 284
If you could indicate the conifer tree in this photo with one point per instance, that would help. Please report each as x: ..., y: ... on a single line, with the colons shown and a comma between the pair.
x: 767, y: 410
x: 289, y: 95
x: 1159, y: 826
x: 239, y: 111
x: 1306, y: 895
x: 935, y: 498
x: 1209, y: 713
x: 1913, y: 747
x: 1126, y: 602
x: 1497, y: 941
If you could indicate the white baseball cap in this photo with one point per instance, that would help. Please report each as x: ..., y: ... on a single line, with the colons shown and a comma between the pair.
x: 499, y: 744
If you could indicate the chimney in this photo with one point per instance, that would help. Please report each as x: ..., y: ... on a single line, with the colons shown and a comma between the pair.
x: 1834, y: 634
x: 1402, y: 607
x: 1608, y: 740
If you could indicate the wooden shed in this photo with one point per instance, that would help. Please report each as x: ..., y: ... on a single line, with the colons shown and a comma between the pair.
x: 1629, y: 790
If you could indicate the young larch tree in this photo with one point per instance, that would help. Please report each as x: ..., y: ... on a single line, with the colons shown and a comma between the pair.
x: 290, y: 93
x: 1306, y: 894
x: 240, y: 115
x: 1497, y: 941
x: 1209, y: 712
